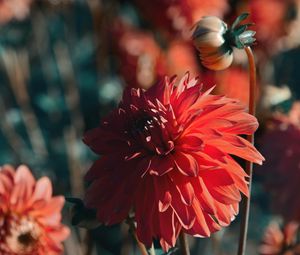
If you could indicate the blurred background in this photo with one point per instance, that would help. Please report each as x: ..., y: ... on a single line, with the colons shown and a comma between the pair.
x: 64, y: 64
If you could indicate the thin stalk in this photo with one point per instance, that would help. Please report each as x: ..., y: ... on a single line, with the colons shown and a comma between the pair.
x: 184, y: 244
x: 132, y: 230
x: 249, y: 165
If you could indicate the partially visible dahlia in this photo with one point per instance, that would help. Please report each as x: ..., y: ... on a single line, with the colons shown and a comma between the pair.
x: 29, y: 215
x: 280, y: 242
x: 166, y: 156
x: 13, y: 9
x: 179, y: 15
x: 281, y: 172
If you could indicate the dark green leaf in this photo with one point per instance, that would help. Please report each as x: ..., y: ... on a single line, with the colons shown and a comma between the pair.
x: 82, y: 216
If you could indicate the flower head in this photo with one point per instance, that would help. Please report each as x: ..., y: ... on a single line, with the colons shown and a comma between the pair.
x: 280, y: 242
x: 29, y: 215
x: 215, y: 41
x: 13, y: 9
x: 281, y: 171
x: 179, y: 15
x: 166, y: 155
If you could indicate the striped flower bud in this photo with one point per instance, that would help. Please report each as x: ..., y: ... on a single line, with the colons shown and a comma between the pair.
x: 215, y: 41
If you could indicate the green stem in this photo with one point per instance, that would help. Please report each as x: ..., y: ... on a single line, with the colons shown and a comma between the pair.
x: 249, y: 165
x: 184, y: 244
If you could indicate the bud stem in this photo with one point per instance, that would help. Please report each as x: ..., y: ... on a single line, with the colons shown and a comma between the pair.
x: 184, y: 244
x: 132, y: 229
x: 249, y: 165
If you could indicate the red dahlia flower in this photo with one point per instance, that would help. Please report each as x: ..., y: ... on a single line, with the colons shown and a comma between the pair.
x: 282, y: 175
x: 166, y: 156
x: 29, y: 215
x: 14, y: 9
x: 280, y: 242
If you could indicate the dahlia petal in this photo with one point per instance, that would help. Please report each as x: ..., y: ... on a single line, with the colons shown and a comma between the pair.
x: 221, y: 186
x: 164, y: 204
x: 164, y: 245
x: 226, y: 194
x: 242, y: 123
x: 200, y: 226
x: 60, y: 233
x: 92, y: 197
x: 23, y: 186
x: 184, y: 187
x: 238, y: 175
x: 162, y: 192
x: 23, y: 173
x: 224, y: 215
x: 53, y: 245
x: 6, y: 181
x: 105, y: 141
x: 185, y: 101
x: 186, y: 164
x: 144, y: 165
x: 101, y: 165
x: 53, y: 207
x: 167, y: 227
x: 43, y: 189
x: 161, y: 165
x: 187, y: 193
x: 237, y: 146
x: 191, y: 142
x: 144, y: 209
x: 184, y: 213
x: 206, y: 200
x: 182, y: 85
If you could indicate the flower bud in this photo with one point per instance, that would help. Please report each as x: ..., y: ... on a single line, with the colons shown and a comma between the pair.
x: 215, y: 41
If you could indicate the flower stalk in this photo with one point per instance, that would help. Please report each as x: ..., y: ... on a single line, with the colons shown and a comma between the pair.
x: 132, y: 230
x: 184, y: 244
x: 249, y: 165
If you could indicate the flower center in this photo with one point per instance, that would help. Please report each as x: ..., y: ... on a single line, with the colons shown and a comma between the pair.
x: 151, y: 133
x: 26, y: 239
x: 22, y: 235
x: 142, y: 124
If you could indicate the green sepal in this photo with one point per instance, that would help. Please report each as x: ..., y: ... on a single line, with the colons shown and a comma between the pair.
x: 239, y: 19
x: 238, y: 35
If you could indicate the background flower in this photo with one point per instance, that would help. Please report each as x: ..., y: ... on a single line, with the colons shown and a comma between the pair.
x: 280, y: 242
x: 166, y: 154
x: 13, y: 9
x: 281, y: 171
x: 29, y: 215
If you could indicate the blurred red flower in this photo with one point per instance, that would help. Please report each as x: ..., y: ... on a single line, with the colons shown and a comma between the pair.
x: 180, y: 15
x: 143, y: 62
x: 141, y: 57
x: 282, y: 167
x: 234, y: 83
x: 166, y: 155
x: 13, y: 9
x: 179, y: 57
x: 29, y: 215
x: 280, y: 242
x: 274, y: 14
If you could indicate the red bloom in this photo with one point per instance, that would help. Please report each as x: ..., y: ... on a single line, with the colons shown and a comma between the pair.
x: 166, y: 155
x: 180, y: 15
x: 282, y: 168
x: 29, y: 215
x: 280, y: 242
x: 13, y: 9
